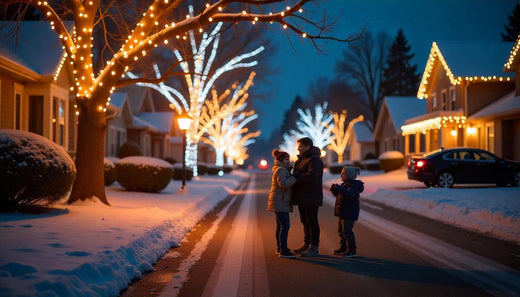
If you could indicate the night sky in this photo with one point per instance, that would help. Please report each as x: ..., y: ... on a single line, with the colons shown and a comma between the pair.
x: 422, y: 22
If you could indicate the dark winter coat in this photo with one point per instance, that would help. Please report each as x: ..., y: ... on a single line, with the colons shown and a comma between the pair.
x: 347, y: 198
x: 308, y: 170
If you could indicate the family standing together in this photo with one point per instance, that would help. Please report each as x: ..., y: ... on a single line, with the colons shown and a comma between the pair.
x: 302, y: 186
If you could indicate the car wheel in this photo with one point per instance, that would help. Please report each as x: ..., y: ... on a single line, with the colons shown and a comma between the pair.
x: 428, y: 184
x: 445, y: 180
x: 516, y: 179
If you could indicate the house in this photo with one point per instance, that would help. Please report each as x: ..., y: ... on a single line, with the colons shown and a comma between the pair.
x: 360, y: 142
x: 34, y: 85
x: 393, y: 114
x: 460, y: 79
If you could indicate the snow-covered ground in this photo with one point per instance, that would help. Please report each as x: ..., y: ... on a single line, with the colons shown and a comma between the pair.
x: 89, y: 249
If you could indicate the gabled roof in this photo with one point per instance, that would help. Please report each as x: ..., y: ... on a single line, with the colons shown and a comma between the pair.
x: 399, y: 109
x: 37, y: 47
x: 139, y: 97
x: 514, y: 57
x: 117, y: 99
x: 161, y: 120
x: 363, y: 134
x: 467, y: 61
x: 505, y: 106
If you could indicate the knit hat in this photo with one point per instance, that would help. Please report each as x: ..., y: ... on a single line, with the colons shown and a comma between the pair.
x: 280, y: 155
x: 351, y: 172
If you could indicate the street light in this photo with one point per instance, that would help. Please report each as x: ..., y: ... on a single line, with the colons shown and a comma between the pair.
x: 184, y: 121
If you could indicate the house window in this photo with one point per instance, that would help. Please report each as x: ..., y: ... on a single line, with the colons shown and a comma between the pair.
x: 422, y: 142
x: 490, y: 137
x: 434, y: 102
x: 453, y: 98
x: 36, y: 114
x: 17, y: 111
x: 411, y: 143
x: 58, y: 121
x: 444, y: 99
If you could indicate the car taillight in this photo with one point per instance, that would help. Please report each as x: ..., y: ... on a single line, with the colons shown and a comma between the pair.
x: 420, y: 164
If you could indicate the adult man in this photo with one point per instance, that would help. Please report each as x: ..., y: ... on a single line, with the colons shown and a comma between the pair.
x: 308, y: 194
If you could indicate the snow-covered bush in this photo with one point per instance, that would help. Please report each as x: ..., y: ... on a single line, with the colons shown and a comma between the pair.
x: 129, y: 149
x: 170, y: 160
x: 202, y: 168
x: 335, y: 168
x: 214, y: 170
x: 143, y: 174
x: 371, y: 164
x: 34, y: 171
x: 177, y: 172
x: 391, y: 160
x: 227, y: 168
x: 110, y: 171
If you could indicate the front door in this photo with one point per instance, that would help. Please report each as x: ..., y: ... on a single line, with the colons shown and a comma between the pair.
x: 36, y: 114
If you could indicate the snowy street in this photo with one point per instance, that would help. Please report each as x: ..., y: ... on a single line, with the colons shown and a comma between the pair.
x: 80, y: 249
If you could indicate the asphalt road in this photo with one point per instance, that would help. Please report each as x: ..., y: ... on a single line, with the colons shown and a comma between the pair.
x: 232, y: 253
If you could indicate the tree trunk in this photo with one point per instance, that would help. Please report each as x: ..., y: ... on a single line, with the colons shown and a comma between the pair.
x: 90, y: 180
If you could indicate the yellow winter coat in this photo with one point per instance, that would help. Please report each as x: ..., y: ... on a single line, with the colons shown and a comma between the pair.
x: 280, y: 192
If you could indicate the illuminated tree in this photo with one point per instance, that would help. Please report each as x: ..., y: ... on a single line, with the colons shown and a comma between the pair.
x: 126, y: 32
x: 290, y: 145
x: 317, y: 127
x: 200, y: 75
x: 340, y: 135
x: 223, y: 126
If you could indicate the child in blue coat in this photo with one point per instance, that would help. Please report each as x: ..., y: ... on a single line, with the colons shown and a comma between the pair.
x: 347, y: 209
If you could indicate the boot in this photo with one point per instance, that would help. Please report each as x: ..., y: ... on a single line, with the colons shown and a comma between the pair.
x: 341, y: 250
x: 304, y: 247
x: 311, y: 252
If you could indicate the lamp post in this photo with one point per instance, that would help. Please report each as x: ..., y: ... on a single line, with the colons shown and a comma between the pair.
x: 184, y: 121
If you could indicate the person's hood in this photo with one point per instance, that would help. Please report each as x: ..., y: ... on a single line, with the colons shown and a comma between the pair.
x: 359, y: 185
x: 312, y: 151
x: 277, y: 164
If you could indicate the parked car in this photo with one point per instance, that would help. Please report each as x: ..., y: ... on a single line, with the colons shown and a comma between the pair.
x: 446, y: 167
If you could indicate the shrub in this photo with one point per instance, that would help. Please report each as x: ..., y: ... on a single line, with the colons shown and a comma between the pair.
x: 143, y: 174
x: 335, y: 168
x: 177, y: 172
x: 110, y: 172
x: 227, y: 168
x: 170, y: 160
x: 34, y: 171
x: 129, y: 149
x: 391, y: 160
x: 202, y: 168
x: 371, y: 164
x: 214, y: 170
x: 369, y: 156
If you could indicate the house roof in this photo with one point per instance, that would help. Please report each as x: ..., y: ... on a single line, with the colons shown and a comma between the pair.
x: 467, y: 61
x: 37, y: 47
x: 161, y: 120
x: 507, y: 105
x: 363, y: 133
x: 117, y: 99
x: 402, y: 108
x: 514, y: 57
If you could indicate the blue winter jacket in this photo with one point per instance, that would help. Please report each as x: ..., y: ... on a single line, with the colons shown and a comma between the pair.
x: 347, y: 198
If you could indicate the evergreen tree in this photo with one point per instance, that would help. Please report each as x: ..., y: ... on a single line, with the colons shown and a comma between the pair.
x: 400, y: 78
x: 513, y: 28
x: 291, y: 115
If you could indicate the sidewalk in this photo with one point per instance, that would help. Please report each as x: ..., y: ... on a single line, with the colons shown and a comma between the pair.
x: 90, y: 249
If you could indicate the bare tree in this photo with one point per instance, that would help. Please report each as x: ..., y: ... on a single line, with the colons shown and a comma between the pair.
x: 362, y: 63
x: 113, y: 37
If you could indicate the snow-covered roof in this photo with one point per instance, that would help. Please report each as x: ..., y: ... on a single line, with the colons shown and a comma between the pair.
x: 161, y: 120
x: 363, y: 134
x: 472, y: 61
x: 142, y: 123
x: 37, y: 48
x: 117, y: 99
x: 402, y: 108
x: 509, y: 104
x: 514, y: 57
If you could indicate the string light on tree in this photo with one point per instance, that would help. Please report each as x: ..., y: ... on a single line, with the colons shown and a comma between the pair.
x: 340, y: 135
x: 318, y: 127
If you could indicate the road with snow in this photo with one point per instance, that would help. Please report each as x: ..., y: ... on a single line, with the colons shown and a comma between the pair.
x: 232, y: 253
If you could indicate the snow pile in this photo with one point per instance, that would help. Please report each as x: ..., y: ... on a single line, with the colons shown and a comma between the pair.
x: 487, y: 209
x: 90, y: 249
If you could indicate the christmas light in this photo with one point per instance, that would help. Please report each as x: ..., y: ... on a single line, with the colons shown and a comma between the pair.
x: 318, y: 127
x: 340, y: 135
